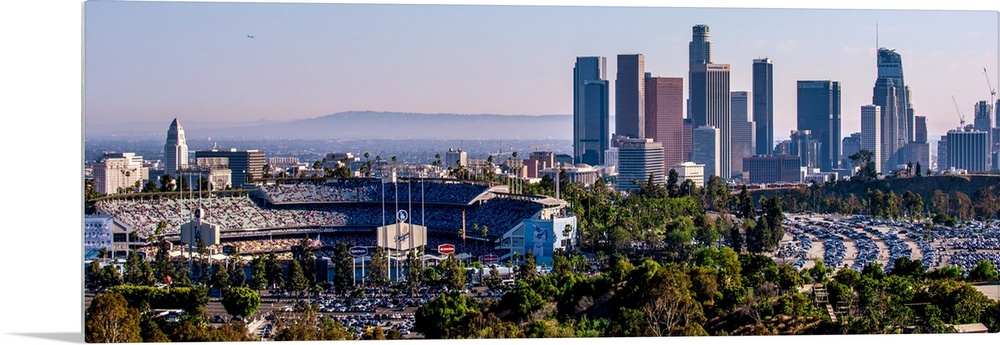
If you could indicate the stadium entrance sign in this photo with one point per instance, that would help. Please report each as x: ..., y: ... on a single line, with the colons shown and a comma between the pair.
x: 359, y: 251
x: 446, y: 249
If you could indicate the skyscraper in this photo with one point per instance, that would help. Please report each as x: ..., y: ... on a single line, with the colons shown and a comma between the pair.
x: 175, y: 151
x: 983, y: 113
x: 706, y: 149
x: 871, y: 133
x: 665, y: 116
x: 819, y: 112
x: 246, y: 165
x: 700, y: 48
x: 637, y: 160
x: 942, y: 156
x: 743, y: 130
x: 763, y: 105
x: 591, y: 132
x: 890, y: 95
x: 116, y: 172
x: 920, y: 129
x: 849, y: 146
x: 630, y: 99
x: 968, y: 150
x: 983, y: 122
x: 710, y: 102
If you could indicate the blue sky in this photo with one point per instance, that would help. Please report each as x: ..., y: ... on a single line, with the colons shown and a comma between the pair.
x: 156, y: 61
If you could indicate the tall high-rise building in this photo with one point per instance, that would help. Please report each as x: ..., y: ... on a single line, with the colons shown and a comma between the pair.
x: 996, y: 113
x: 920, y: 129
x: 911, y: 121
x: 771, y: 169
x: 116, y: 172
x: 637, y: 159
x: 890, y: 94
x: 688, y: 147
x: 819, y: 112
x: 983, y: 120
x: 175, y: 151
x: 743, y: 130
x: 710, y: 106
x: 246, y: 165
x: 763, y: 105
x: 700, y: 48
x: 850, y: 145
x: 706, y: 149
x: 942, y: 154
x: 630, y: 99
x: 591, y: 132
x: 801, y: 143
x: 871, y: 133
x: 968, y: 150
x: 455, y: 158
x: 665, y: 116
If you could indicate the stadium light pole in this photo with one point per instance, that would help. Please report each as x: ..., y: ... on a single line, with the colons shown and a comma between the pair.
x: 395, y: 188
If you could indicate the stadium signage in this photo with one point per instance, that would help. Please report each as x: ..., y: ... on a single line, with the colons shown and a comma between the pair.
x: 359, y: 251
x: 489, y: 258
x: 446, y: 249
x: 401, y: 215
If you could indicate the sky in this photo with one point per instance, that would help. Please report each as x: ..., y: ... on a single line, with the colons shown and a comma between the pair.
x: 148, y: 61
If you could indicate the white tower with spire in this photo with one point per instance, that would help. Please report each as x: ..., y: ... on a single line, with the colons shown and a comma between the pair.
x: 175, y: 152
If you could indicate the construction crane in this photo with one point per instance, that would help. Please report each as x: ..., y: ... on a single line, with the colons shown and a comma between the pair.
x: 961, y: 118
x: 993, y: 92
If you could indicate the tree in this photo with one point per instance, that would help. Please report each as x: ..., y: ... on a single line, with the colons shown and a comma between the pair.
x: 673, y: 183
x: 527, y: 269
x: 137, y: 271
x: 101, y: 278
x: 258, y: 278
x: 343, y: 267
x: 296, y: 278
x: 300, y: 326
x: 903, y: 266
x: 92, y: 279
x: 330, y: 329
x: 864, y: 159
x: 220, y: 278
x: 983, y: 271
x: 454, y: 273
x: 414, y: 275
x: 522, y: 301
x: 274, y: 274
x: 961, y: 204
x: 167, y: 183
x: 377, y: 271
x: 241, y: 301
x: 913, y: 204
x: 109, y: 319
x: 448, y: 316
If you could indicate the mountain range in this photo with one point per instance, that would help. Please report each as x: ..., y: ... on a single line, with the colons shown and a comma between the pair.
x: 361, y: 125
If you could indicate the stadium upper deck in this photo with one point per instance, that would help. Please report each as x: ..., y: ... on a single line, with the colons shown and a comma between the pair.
x: 369, y: 190
x: 338, y: 204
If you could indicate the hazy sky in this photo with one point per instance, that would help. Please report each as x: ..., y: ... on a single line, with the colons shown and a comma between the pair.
x: 155, y: 61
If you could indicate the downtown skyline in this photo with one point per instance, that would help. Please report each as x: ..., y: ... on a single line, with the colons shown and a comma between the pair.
x: 309, y: 67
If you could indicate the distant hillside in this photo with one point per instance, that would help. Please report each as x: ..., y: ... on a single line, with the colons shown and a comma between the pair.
x: 367, y: 125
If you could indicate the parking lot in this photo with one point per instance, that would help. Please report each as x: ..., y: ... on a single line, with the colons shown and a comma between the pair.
x: 855, y: 241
